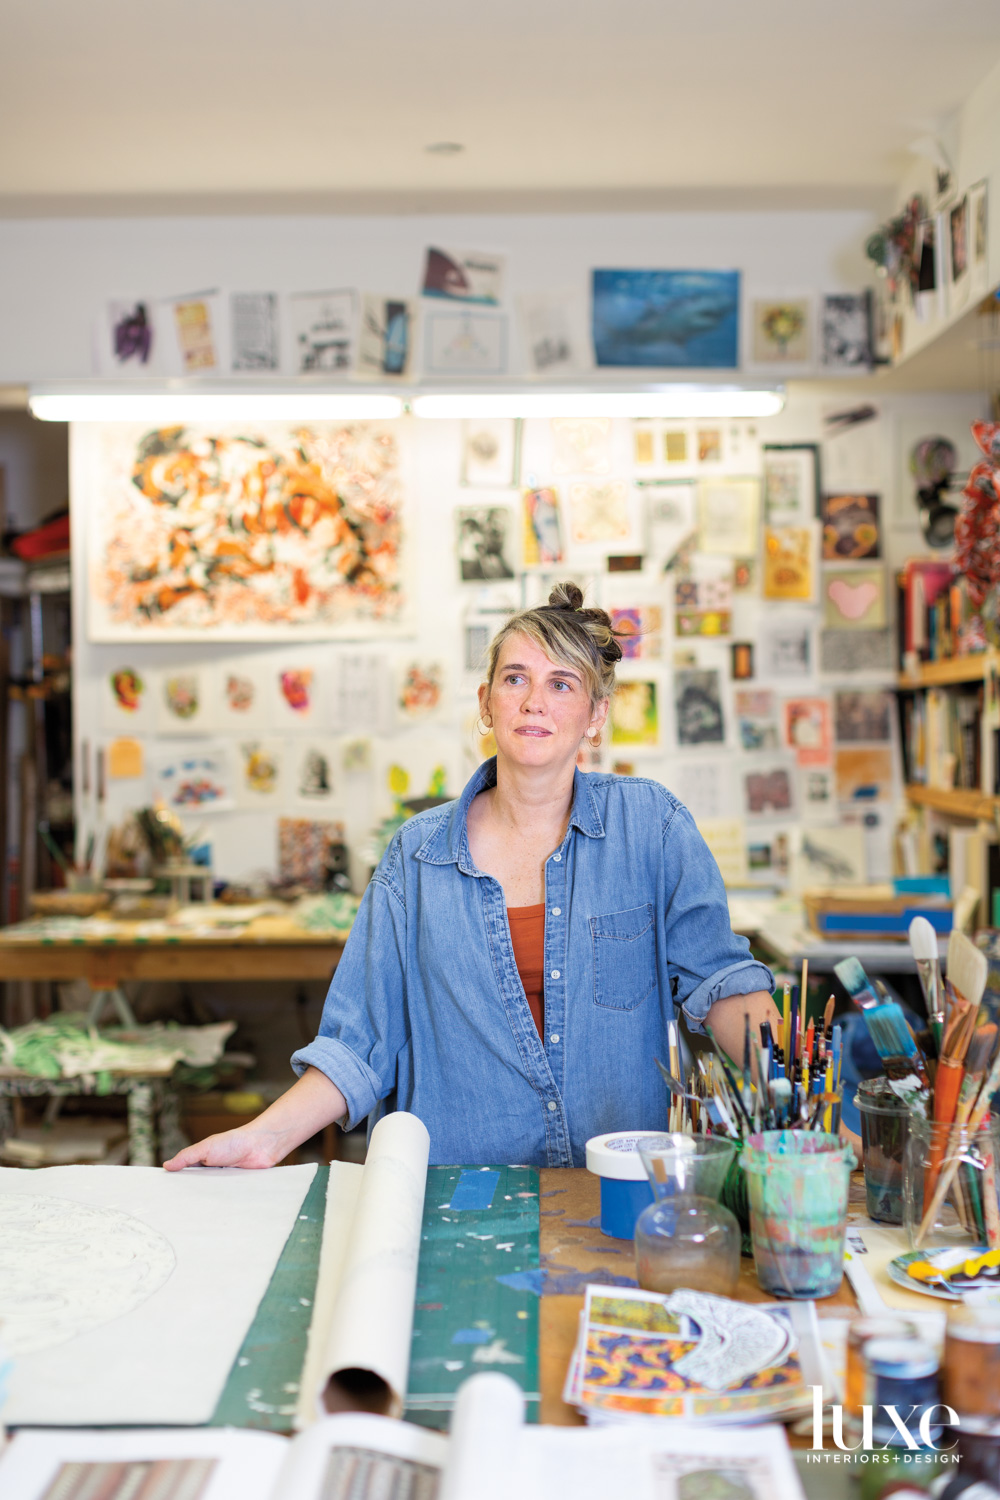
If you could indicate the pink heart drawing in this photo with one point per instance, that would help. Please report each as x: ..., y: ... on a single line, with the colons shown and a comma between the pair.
x: 853, y: 600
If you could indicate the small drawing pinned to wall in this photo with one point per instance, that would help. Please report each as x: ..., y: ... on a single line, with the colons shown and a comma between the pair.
x: 240, y: 693
x: 296, y: 684
x: 542, y: 528
x: 128, y: 688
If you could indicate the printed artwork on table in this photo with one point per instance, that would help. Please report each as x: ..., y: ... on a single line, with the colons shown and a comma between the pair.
x: 638, y: 630
x: 791, y: 483
x: 741, y: 661
x: 599, y: 514
x: 305, y: 851
x: 313, y: 770
x: 784, y: 648
x: 789, y: 563
x: 698, y: 706
x: 197, y: 780
x: 864, y: 716
x: 581, y: 445
x: 421, y: 690
x: 247, y: 534
x: 260, y: 770
x: 484, y: 543
x: 728, y: 516
x: 781, y: 330
x: 850, y: 527
x: 863, y: 775
x: 756, y: 718
x: 844, y: 651
x: 808, y: 730
x: 635, y: 720
x: 854, y: 599
x: 768, y: 791
x: 491, y: 452
x: 667, y: 319
x: 543, y: 544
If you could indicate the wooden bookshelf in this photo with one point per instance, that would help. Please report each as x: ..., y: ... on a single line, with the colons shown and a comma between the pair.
x: 961, y: 804
x: 953, y: 669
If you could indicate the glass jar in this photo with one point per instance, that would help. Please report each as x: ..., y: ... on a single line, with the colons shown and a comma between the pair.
x: 950, y: 1182
x: 685, y: 1238
x: 885, y: 1121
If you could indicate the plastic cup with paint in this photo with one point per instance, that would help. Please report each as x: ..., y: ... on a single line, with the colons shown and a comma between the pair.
x: 797, y: 1182
x: 885, y: 1123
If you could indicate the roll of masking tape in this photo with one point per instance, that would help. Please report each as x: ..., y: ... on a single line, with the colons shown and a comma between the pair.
x: 625, y: 1189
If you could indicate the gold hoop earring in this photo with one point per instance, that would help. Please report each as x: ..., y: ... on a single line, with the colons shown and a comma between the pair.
x: 483, y: 729
x: 594, y: 736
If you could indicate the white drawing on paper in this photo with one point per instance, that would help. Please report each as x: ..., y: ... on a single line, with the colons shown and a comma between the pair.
x: 67, y: 1267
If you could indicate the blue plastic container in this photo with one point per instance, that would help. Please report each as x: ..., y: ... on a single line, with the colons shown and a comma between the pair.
x: 625, y: 1189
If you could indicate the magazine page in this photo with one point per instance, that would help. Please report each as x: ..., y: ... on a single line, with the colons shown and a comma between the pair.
x: 359, y: 1341
x: 357, y: 1456
x: 141, y: 1464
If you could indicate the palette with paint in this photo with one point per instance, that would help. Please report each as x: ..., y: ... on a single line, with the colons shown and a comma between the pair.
x: 949, y: 1273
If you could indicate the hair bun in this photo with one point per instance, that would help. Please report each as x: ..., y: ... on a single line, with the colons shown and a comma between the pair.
x: 566, y: 596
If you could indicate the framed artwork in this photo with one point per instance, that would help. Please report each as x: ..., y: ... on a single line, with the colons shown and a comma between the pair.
x: 698, y: 706
x: 979, y: 238
x: 728, y: 516
x: 666, y: 319
x: 808, y: 730
x: 581, y: 445
x: 600, y: 514
x: 463, y: 276
x: 635, y: 714
x: 484, y: 543
x: 543, y: 544
x: 272, y: 532
x: 851, y: 529
x: 465, y: 343
x: 864, y: 716
x: 741, y: 660
x: 780, y: 332
x: 491, y: 452
x: 756, y: 719
x: 791, y: 483
x: 386, y: 336
x: 854, y: 599
x: 846, y: 331
x: 790, y: 562
x: 638, y: 629
x: 784, y: 647
x: 958, y: 238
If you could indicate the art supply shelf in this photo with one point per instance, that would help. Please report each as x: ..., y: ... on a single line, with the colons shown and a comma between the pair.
x: 950, y: 670
x: 960, y: 804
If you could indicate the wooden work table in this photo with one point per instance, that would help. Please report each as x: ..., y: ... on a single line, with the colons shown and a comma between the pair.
x: 270, y: 948
x: 571, y: 1248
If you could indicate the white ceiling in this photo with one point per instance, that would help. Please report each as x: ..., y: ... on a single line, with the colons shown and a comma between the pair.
x: 242, y: 103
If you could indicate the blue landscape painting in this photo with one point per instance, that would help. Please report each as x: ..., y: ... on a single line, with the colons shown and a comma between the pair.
x: 670, y: 319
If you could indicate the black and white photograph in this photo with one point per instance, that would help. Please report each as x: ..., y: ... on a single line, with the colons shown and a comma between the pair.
x: 483, y: 543
x: 846, y: 331
x: 698, y: 706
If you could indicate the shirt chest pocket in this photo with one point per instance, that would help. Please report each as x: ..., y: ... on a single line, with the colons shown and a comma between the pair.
x: 624, y: 958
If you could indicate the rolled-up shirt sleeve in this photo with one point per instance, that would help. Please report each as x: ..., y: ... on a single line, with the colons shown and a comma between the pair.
x: 706, y: 960
x: 363, y: 1029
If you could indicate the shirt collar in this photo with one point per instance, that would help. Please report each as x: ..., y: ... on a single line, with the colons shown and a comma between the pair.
x: 448, y: 842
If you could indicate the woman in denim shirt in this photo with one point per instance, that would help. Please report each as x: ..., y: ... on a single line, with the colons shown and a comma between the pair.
x: 519, y: 1048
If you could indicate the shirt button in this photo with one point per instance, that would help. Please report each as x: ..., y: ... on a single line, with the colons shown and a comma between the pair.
x: 553, y: 1104
x: 554, y: 1038
x: 554, y: 974
x: 557, y: 911
x: 557, y: 857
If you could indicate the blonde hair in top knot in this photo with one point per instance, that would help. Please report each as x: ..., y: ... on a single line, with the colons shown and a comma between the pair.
x: 570, y: 636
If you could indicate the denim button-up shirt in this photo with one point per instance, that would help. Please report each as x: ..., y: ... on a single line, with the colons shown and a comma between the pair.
x: 426, y: 1011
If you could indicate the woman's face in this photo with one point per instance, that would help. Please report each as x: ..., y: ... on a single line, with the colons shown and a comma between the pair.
x: 540, y: 710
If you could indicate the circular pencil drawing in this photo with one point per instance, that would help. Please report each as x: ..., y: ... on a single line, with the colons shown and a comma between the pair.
x: 68, y: 1267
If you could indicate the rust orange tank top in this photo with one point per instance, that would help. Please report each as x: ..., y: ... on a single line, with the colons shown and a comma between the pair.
x: 527, y: 933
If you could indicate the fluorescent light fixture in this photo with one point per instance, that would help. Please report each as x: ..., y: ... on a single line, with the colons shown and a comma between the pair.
x: 210, y: 406
x: 677, y: 401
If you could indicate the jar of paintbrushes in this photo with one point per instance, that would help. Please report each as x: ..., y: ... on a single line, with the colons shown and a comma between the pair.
x: 951, y: 1174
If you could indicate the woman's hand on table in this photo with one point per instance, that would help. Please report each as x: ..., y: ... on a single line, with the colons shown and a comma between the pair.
x: 308, y: 1106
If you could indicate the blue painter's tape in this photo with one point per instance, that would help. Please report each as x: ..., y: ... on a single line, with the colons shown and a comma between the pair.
x: 474, y: 1191
x: 473, y: 1335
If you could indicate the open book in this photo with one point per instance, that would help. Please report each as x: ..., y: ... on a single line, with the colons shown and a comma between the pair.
x: 491, y: 1455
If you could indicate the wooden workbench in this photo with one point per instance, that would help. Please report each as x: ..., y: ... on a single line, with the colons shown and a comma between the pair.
x: 270, y: 948
x: 571, y: 1249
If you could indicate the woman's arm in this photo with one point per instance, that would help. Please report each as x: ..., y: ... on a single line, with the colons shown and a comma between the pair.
x: 726, y: 1020
x: 310, y: 1104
